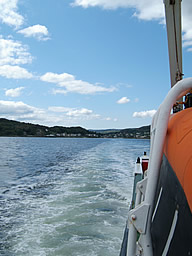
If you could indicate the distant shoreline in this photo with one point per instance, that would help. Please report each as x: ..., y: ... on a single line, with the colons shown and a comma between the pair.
x: 9, y: 128
x: 55, y: 137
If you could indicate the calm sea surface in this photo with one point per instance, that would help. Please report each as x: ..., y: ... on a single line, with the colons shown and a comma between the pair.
x: 65, y: 196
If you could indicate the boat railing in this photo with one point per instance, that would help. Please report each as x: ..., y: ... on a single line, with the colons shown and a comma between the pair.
x: 139, y: 218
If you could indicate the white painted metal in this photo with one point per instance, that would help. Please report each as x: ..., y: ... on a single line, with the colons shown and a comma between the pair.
x: 132, y: 238
x: 159, y: 130
x: 138, y: 169
x: 157, y: 204
x: 141, y: 185
x: 171, y: 233
x: 138, y: 197
x: 137, y: 216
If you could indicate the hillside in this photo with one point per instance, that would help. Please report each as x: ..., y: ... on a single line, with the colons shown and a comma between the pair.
x: 15, y: 128
x: 21, y: 129
x: 137, y: 133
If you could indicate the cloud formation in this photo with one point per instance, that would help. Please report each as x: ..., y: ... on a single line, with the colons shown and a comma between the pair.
x: 142, y: 9
x: 14, y: 92
x: 144, y: 114
x: 9, y: 14
x: 13, y: 52
x: 83, y: 113
x: 145, y: 10
x: 71, y: 84
x: 37, y: 31
x: 14, y: 72
x: 123, y: 100
x: 187, y: 24
x: 17, y: 110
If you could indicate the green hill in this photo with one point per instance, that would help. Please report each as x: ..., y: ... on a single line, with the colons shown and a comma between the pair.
x: 21, y: 129
x: 142, y: 132
x: 15, y: 128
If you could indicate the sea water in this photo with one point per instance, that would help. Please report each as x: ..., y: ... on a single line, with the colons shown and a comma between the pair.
x: 65, y: 196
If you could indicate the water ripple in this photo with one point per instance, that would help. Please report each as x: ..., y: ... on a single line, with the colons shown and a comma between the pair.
x: 65, y: 196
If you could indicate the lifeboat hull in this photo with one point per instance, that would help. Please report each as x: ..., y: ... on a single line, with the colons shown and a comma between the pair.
x: 171, y: 227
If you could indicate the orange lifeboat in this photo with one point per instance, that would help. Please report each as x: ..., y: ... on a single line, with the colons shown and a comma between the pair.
x: 172, y: 221
x: 177, y: 149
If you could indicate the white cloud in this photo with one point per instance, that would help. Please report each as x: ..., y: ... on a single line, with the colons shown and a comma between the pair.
x: 124, y: 85
x: 145, y: 10
x: 187, y: 23
x: 14, y: 72
x: 110, y: 119
x: 144, y: 114
x: 59, y: 109
x: 14, y: 92
x: 37, y: 31
x: 16, y: 109
x: 9, y: 14
x: 13, y: 52
x: 187, y: 43
x: 57, y: 78
x: 59, y: 91
x: 81, y: 113
x: 65, y: 116
x: 71, y: 84
x: 123, y: 100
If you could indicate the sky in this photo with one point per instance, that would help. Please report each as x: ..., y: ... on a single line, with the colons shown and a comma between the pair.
x: 98, y: 64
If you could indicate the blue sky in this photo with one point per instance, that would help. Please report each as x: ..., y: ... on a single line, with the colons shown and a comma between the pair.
x: 96, y: 64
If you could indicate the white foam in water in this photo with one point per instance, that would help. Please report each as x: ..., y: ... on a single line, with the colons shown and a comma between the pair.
x: 74, y: 206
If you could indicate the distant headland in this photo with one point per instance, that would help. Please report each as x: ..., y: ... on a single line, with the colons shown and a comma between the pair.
x: 9, y: 128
